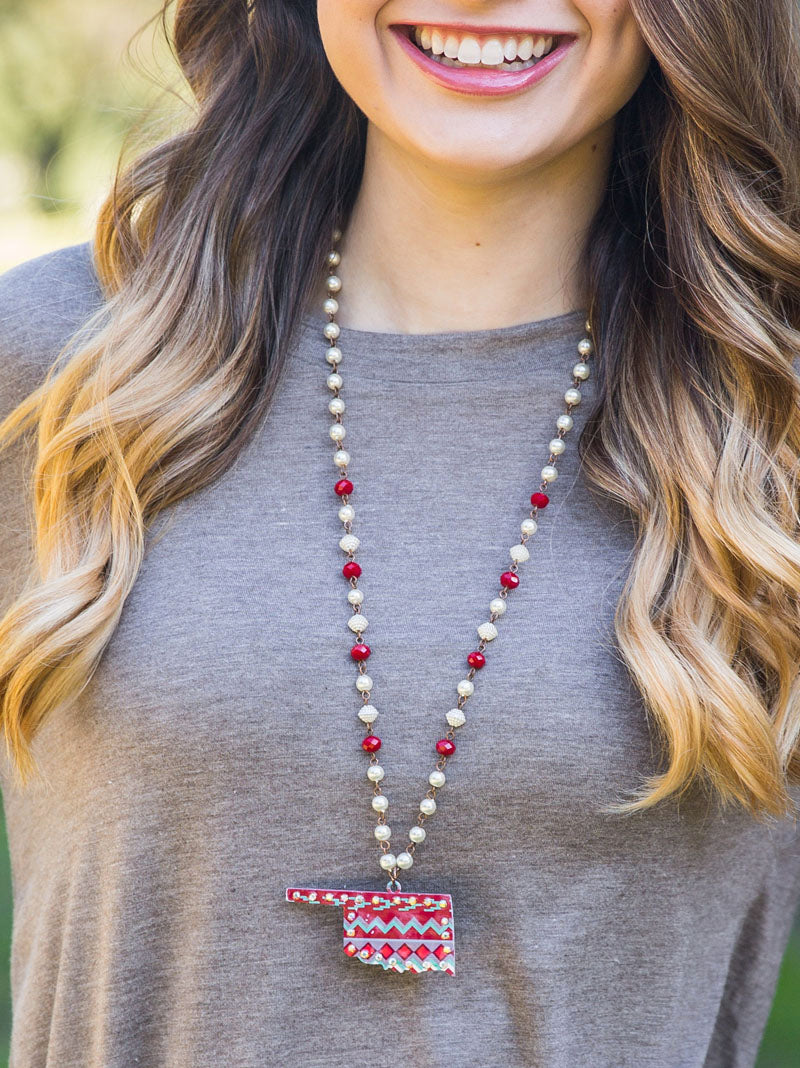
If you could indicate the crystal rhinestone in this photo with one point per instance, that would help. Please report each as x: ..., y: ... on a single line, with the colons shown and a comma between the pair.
x: 357, y: 623
x: 509, y: 579
x: 427, y: 805
x: 352, y: 569
x: 388, y: 861
x: 349, y: 543
x: 572, y: 396
x: 368, y: 714
x: 549, y: 473
x: 519, y: 554
x: 404, y: 860
x: 497, y: 606
x: 436, y: 778
x: 487, y: 631
x: 445, y: 747
x: 364, y: 683
x: 383, y: 832
x: 341, y: 457
x: 360, y: 651
x: 465, y: 688
x: 375, y: 773
x: 380, y: 802
x: 417, y: 834
x: 455, y: 717
x: 539, y: 500
x: 343, y: 487
x: 476, y: 659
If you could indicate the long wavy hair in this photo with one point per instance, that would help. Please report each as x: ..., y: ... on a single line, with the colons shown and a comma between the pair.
x: 211, y: 245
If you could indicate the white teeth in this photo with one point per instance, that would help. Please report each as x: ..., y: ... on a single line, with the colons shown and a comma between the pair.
x: 425, y: 37
x: 437, y: 43
x: 492, y: 52
x: 510, y: 49
x: 525, y: 47
x: 539, y: 47
x: 469, y: 51
x: 510, y: 53
x: 451, y: 46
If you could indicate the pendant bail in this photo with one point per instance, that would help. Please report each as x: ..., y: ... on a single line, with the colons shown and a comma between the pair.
x: 394, y: 884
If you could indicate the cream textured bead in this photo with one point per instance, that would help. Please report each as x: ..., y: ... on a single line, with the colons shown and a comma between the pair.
x: 549, y: 473
x: 388, y: 861
x: 341, y: 457
x: 573, y: 396
x: 519, y: 554
x: 335, y: 381
x: 364, y: 683
x: 357, y: 623
x: 331, y: 331
x: 529, y: 526
x: 331, y: 306
x: 348, y: 543
x: 581, y: 370
x: 336, y: 406
x: 466, y: 688
x: 436, y: 778
x: 427, y: 805
x: 487, y: 631
x: 336, y: 236
x: 380, y: 802
x: 456, y: 718
x: 497, y: 606
x: 557, y: 446
x: 334, y: 355
x: 333, y: 283
x: 565, y: 422
x: 417, y: 834
x: 585, y: 347
x: 337, y: 431
x: 334, y: 258
x: 355, y: 596
x: 375, y: 773
x: 347, y: 513
x: 404, y: 860
x: 368, y: 714
x: 383, y: 832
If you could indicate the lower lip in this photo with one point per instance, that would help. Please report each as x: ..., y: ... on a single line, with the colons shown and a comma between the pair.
x: 486, y: 81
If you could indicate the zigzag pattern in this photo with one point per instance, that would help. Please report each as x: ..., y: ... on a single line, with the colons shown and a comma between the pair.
x: 369, y: 925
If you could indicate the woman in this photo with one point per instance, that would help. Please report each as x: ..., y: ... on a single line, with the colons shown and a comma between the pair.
x: 561, y: 223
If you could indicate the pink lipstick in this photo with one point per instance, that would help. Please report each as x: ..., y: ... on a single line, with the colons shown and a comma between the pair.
x: 477, y: 80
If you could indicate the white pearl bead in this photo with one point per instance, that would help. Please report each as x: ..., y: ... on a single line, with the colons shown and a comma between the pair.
x: 336, y: 406
x: 427, y: 805
x: 334, y: 258
x: 497, y: 606
x: 557, y: 446
x: 572, y: 396
x: 565, y: 422
x: 357, y: 623
x: 331, y: 306
x: 341, y: 457
x: 331, y: 331
x: 519, y: 554
x: 549, y: 473
x: 337, y: 431
x: 368, y: 714
x: 383, y: 832
x: 581, y: 370
x: 334, y: 283
x: 487, y: 631
x: 528, y: 526
x: 456, y: 718
x: 334, y: 355
x: 436, y: 778
x: 335, y: 381
x: 388, y: 861
x: 375, y: 773
x: 364, y: 683
x: 380, y: 802
x: 404, y: 860
x: 417, y: 834
x: 349, y: 543
x: 585, y: 347
x: 355, y: 596
x: 465, y: 688
x: 347, y: 513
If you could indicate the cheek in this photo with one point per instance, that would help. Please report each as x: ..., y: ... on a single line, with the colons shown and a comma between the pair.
x: 349, y: 37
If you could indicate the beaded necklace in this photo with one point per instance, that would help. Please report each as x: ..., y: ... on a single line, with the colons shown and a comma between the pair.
x: 399, y: 931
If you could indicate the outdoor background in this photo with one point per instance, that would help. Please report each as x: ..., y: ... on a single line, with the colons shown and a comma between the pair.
x: 69, y: 91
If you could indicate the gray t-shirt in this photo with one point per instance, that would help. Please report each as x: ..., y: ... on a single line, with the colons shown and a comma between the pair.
x: 214, y: 759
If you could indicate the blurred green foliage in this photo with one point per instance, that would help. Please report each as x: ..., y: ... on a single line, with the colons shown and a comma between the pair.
x: 69, y: 91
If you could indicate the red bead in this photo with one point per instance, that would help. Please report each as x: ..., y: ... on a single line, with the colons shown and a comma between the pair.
x: 371, y: 744
x: 360, y: 652
x: 509, y: 580
x: 445, y: 747
x: 343, y: 486
x: 351, y: 569
x: 540, y: 500
x: 476, y: 660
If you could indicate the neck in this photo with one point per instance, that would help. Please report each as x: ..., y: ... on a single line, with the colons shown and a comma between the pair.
x: 428, y: 250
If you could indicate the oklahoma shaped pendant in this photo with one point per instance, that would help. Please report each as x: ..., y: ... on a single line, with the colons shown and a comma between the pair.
x: 399, y: 932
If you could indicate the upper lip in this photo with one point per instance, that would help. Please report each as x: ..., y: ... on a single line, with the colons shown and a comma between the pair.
x: 463, y: 27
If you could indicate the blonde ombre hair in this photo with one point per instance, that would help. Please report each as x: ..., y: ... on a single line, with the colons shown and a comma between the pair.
x: 209, y: 249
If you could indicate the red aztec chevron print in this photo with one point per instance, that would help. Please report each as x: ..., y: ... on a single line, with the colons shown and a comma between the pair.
x: 399, y: 932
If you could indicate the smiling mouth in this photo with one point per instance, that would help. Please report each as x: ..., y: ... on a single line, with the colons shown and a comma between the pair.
x: 486, y: 51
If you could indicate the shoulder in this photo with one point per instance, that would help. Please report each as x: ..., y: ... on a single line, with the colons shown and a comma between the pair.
x: 43, y: 301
